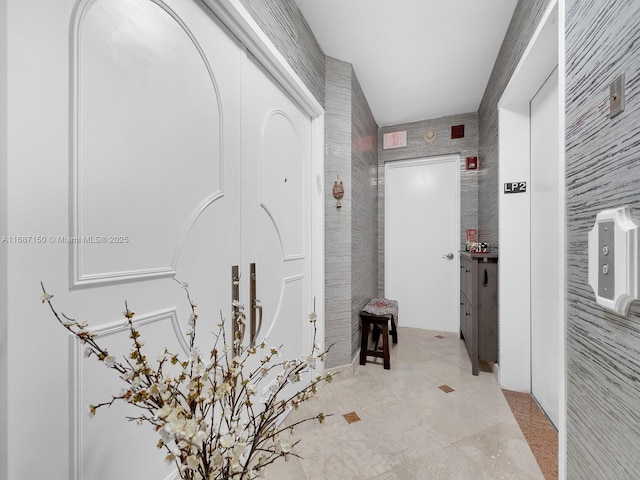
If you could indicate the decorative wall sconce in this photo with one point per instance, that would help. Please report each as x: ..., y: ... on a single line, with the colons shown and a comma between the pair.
x: 338, y: 191
x: 430, y: 136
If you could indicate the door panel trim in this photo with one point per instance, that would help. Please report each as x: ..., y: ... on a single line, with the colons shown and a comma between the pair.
x: 79, y: 278
x: 78, y: 404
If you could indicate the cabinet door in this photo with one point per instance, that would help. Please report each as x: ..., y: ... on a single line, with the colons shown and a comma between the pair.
x: 487, y: 311
x: 468, y: 279
x: 463, y: 310
x: 467, y: 319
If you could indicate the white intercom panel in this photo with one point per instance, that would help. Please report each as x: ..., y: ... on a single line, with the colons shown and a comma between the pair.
x: 614, y: 257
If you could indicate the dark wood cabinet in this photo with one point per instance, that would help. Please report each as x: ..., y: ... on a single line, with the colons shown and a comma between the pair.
x: 479, y: 306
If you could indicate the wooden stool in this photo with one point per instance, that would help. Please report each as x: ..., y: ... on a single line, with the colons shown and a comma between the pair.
x: 378, y: 321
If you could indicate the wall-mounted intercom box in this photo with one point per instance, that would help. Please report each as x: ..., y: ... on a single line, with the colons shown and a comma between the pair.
x: 613, y: 258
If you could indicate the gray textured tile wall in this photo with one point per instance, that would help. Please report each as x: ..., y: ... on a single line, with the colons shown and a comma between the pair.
x: 338, y: 221
x: 364, y: 208
x: 603, y: 349
x: 351, y: 231
x: 602, y: 155
x: 285, y: 26
x: 525, y: 18
x: 417, y: 147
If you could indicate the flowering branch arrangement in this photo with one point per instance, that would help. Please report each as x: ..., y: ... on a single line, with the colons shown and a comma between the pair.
x: 208, y: 415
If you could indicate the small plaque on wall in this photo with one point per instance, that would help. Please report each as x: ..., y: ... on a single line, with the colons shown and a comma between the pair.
x: 394, y: 140
x: 515, y: 187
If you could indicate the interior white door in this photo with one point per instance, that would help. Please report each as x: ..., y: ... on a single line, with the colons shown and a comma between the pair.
x: 547, y: 241
x: 422, y: 230
x: 152, y: 192
x: 276, y: 208
x: 156, y: 161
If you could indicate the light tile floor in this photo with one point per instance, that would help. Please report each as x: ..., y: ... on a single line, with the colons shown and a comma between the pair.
x: 409, y: 428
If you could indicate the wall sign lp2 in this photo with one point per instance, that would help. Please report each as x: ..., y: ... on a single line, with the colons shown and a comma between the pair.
x: 515, y: 187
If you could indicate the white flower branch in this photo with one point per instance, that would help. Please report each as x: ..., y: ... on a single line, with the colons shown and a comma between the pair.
x: 207, y: 417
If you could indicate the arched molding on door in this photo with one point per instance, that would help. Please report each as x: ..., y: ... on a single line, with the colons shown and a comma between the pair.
x: 239, y: 21
x: 111, y: 167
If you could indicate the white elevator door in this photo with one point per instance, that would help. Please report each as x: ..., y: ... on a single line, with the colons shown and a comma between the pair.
x: 546, y: 248
x: 421, y: 229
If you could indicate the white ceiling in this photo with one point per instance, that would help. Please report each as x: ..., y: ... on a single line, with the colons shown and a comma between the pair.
x: 415, y: 59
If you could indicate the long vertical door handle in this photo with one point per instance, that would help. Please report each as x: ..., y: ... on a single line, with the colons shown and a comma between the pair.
x: 254, y: 306
x: 237, y: 328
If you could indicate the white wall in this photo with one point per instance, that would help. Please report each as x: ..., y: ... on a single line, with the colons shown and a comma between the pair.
x: 514, y: 297
x: 3, y: 248
x: 37, y: 168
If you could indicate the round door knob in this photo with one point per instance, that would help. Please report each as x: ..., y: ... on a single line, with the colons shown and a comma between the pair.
x: 448, y: 256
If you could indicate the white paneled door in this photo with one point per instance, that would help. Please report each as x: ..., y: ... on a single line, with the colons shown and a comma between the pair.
x: 276, y: 140
x: 155, y: 149
x: 422, y: 237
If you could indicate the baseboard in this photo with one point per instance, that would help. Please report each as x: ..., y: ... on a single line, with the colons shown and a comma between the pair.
x: 345, y: 371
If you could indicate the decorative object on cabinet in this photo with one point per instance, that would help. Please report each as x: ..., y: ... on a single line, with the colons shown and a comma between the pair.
x: 479, y: 306
x: 472, y: 240
x: 338, y: 191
